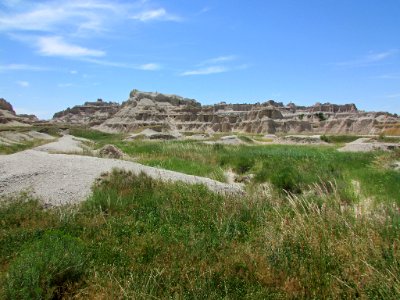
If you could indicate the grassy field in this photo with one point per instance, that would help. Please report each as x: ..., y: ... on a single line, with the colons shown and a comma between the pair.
x: 137, y: 238
x: 288, y: 168
x: 315, y: 224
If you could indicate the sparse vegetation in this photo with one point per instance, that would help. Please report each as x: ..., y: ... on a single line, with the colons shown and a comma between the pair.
x: 144, y: 239
x: 321, y: 116
x: 339, y: 139
x: 24, y: 145
x: 388, y: 139
x: 100, y: 137
x: 292, y: 168
x: 315, y: 223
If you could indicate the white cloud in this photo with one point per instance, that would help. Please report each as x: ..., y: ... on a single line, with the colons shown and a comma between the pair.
x: 369, y: 59
x: 56, y: 46
x: 220, y: 59
x: 206, y: 71
x: 22, y: 67
x: 155, y: 15
x: 73, y: 72
x: 52, y: 15
x: 75, y: 16
x: 149, y: 67
x: 144, y: 67
x: 23, y: 84
x: 109, y: 63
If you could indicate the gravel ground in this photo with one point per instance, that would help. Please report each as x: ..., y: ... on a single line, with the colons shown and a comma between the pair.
x: 66, y: 144
x: 365, y: 145
x: 60, y: 179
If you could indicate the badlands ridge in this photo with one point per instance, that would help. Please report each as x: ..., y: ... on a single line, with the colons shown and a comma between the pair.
x: 163, y: 112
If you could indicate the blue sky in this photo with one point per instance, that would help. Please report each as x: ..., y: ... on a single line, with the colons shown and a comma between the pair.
x: 55, y: 54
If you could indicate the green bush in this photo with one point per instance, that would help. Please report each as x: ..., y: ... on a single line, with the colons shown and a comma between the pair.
x: 339, y: 139
x: 321, y: 116
x: 287, y: 179
x: 243, y: 164
x: 46, y: 268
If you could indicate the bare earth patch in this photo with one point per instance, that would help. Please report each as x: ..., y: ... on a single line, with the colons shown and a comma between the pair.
x: 60, y: 179
x: 367, y: 145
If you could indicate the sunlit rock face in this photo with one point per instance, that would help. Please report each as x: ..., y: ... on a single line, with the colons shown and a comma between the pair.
x: 171, y: 112
x: 88, y: 114
x: 8, y: 117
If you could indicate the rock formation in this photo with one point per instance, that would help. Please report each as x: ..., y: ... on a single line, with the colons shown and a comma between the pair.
x: 8, y: 117
x: 89, y: 114
x: 174, y: 113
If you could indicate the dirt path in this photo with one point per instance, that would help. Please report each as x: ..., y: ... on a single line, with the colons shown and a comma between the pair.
x: 62, y: 178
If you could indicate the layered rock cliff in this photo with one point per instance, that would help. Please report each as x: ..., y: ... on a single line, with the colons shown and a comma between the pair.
x: 171, y: 112
x: 89, y: 114
x: 8, y: 116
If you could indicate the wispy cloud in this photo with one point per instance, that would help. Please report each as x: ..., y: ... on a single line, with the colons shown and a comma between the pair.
x: 23, y: 84
x: 67, y: 28
x: 220, y: 64
x: 159, y: 14
x: 106, y: 63
x: 389, y: 76
x: 393, y: 96
x: 219, y: 59
x: 56, y: 46
x: 369, y: 59
x: 77, y: 17
x: 206, y: 71
x: 22, y: 67
x: 204, y: 10
x: 51, y: 16
x: 149, y: 67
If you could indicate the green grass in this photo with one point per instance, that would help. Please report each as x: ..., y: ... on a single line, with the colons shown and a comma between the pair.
x: 46, y: 268
x: 339, y: 139
x: 289, y: 168
x: 145, y: 239
x: 388, y: 139
x: 94, y: 135
x: 24, y: 145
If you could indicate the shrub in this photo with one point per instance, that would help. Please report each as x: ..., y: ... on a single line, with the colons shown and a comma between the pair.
x: 320, y: 116
x: 244, y: 164
x: 46, y: 268
x: 325, y: 139
x: 287, y: 180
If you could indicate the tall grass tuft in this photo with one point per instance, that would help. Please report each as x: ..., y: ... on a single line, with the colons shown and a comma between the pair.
x: 146, y: 239
x: 46, y: 268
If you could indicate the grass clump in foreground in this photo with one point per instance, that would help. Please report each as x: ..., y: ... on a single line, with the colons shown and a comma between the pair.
x: 144, y: 239
x: 46, y: 268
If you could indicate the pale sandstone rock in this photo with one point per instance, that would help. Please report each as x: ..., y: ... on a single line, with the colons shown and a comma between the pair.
x: 166, y: 113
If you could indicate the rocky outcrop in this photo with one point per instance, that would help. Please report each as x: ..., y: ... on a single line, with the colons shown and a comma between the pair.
x: 163, y: 112
x: 8, y: 117
x: 89, y: 114
x: 4, y: 105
